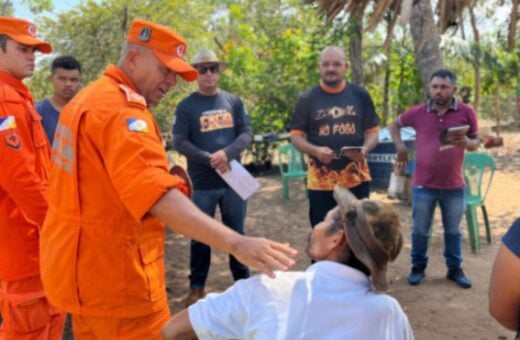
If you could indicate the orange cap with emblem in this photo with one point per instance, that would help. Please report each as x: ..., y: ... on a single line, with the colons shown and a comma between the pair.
x: 24, y: 32
x: 167, y: 45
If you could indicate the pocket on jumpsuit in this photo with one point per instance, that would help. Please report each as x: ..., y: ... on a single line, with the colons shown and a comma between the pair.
x: 152, y: 260
x: 27, y: 312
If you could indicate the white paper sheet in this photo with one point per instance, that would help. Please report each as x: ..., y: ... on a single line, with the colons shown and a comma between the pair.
x: 240, y: 180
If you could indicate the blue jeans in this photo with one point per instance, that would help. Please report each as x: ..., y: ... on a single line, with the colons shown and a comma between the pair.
x: 233, y: 212
x: 452, y: 204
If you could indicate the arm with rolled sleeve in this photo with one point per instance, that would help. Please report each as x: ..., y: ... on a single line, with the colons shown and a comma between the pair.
x: 181, y: 140
x: 135, y: 162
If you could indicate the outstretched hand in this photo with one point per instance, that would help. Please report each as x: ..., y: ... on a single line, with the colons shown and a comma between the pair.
x: 264, y: 255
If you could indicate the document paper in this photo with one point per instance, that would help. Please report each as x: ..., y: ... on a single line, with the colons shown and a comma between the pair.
x: 240, y: 180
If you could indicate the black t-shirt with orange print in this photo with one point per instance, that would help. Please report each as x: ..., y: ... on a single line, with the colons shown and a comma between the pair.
x: 207, y: 124
x: 335, y: 120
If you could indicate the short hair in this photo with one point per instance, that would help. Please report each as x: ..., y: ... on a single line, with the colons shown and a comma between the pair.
x: 65, y: 62
x: 3, y: 42
x: 446, y: 74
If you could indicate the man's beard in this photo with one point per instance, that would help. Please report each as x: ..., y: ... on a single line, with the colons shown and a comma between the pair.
x: 332, y: 83
x: 441, y: 102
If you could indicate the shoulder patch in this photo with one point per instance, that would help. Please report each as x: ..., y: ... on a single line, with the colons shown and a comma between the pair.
x: 7, y: 123
x: 133, y: 97
x: 12, y: 140
x: 137, y: 125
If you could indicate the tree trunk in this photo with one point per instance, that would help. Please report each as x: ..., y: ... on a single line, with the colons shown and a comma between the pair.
x: 512, y: 26
x: 497, y: 106
x: 355, y: 30
x: 476, y: 64
x: 386, y: 91
x: 388, y: 70
x: 426, y: 40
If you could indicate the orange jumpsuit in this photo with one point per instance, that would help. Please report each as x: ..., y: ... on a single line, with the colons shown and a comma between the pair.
x: 101, y: 252
x: 24, y: 163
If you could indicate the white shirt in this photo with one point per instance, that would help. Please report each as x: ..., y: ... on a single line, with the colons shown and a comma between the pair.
x: 327, y: 301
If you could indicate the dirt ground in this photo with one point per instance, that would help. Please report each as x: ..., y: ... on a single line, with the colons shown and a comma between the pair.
x: 437, y: 309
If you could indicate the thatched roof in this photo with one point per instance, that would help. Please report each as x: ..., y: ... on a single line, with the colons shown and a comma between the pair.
x: 449, y: 11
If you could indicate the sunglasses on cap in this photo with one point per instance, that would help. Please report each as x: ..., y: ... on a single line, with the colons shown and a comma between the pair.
x: 205, y: 69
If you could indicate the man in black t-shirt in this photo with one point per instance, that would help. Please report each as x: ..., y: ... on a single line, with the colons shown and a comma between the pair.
x: 211, y: 129
x: 328, y: 117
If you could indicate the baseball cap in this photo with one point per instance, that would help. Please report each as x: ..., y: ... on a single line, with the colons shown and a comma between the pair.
x: 167, y: 45
x: 24, y: 32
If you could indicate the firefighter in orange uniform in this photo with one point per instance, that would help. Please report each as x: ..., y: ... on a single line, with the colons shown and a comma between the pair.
x: 102, y: 244
x: 24, y: 164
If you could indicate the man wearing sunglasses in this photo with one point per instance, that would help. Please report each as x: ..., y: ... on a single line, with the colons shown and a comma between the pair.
x: 212, y: 128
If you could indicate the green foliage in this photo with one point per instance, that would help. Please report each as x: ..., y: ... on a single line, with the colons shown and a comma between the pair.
x: 273, y: 53
x: 38, y: 6
x: 6, y: 8
x: 272, y: 48
x: 500, y: 66
x: 35, y: 6
x: 405, y: 85
x: 94, y: 33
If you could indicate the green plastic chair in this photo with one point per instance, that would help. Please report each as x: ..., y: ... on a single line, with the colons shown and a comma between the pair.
x: 478, y: 172
x: 291, y: 164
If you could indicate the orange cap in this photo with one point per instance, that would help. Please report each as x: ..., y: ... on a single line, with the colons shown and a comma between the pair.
x: 167, y: 45
x: 23, y: 32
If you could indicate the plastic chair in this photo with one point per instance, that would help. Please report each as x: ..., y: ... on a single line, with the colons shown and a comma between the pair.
x: 478, y: 172
x: 291, y: 164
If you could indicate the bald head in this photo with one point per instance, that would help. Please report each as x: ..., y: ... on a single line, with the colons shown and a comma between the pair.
x: 151, y: 77
x: 332, y: 66
x: 334, y: 51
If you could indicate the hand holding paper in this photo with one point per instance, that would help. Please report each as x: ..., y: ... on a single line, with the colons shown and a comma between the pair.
x: 355, y: 153
x: 240, y: 180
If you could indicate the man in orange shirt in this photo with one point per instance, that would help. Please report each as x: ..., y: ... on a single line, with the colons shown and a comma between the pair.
x: 24, y: 164
x: 102, y: 245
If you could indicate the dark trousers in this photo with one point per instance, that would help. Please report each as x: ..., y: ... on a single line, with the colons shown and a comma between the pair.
x: 321, y: 202
x: 233, y: 211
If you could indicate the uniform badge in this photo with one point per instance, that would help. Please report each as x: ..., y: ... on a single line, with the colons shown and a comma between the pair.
x: 145, y: 34
x: 7, y: 123
x: 181, y: 50
x: 137, y: 125
x: 32, y: 31
x: 12, y: 140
